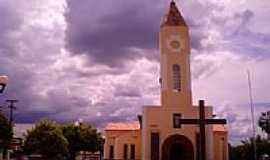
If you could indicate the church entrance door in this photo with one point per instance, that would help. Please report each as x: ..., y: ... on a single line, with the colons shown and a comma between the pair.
x: 177, y: 147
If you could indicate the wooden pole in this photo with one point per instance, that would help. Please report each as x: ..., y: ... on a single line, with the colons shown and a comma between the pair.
x: 12, y: 108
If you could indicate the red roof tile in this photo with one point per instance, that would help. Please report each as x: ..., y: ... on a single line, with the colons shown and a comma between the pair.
x: 123, y: 126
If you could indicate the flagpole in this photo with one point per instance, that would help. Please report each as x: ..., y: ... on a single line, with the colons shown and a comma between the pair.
x: 252, y: 115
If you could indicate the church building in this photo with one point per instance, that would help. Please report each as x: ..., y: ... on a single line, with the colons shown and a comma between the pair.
x: 159, y: 133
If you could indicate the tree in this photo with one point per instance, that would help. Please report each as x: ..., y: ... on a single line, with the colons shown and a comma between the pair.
x: 245, y: 150
x: 264, y: 123
x: 5, y: 132
x: 81, y: 137
x: 46, y: 139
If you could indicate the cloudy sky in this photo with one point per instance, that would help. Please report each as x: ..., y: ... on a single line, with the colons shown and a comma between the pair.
x: 99, y: 60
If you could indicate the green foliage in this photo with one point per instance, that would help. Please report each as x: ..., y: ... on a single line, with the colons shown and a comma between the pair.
x: 264, y: 122
x: 82, y: 137
x: 245, y: 150
x: 54, y: 141
x: 5, y: 132
x: 46, y: 139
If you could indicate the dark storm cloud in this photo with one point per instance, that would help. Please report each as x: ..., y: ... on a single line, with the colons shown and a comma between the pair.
x: 19, y: 76
x: 32, y: 106
x: 30, y: 117
x: 105, y: 31
x: 108, y: 38
x: 9, y: 22
x: 133, y: 25
x: 21, y: 61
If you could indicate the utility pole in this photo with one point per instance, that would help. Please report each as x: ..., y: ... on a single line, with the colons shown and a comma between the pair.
x: 12, y: 108
x: 252, y: 115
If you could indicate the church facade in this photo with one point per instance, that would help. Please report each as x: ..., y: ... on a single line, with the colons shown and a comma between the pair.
x: 158, y: 134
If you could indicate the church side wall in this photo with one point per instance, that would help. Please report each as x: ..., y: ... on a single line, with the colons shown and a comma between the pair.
x: 118, y: 139
x: 220, y: 145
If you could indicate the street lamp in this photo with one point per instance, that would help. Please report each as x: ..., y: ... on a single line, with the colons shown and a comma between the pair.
x: 3, y: 83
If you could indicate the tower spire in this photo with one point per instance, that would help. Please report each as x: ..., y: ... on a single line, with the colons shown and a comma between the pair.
x: 173, y: 17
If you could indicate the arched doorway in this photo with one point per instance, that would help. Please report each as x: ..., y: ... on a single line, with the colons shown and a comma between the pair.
x: 177, y: 147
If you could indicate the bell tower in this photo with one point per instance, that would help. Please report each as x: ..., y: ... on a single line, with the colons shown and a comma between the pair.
x: 174, y: 43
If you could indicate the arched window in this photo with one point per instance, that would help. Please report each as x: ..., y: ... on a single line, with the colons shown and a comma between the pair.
x: 176, y: 78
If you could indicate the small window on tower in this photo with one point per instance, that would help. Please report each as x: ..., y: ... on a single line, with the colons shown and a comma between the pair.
x: 176, y: 120
x: 176, y: 78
